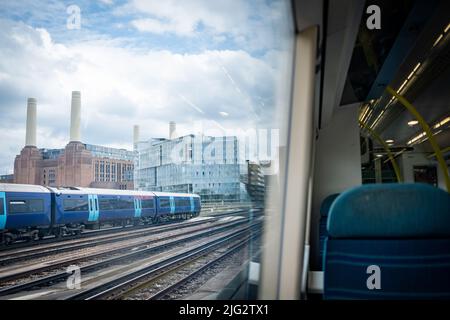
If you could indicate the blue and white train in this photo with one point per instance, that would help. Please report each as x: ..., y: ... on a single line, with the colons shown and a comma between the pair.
x: 32, y: 211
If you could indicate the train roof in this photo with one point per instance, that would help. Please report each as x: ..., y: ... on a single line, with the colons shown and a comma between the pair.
x: 171, y: 194
x: 13, y: 187
x: 98, y: 191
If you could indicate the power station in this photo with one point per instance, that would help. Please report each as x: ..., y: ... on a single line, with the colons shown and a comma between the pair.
x: 78, y: 164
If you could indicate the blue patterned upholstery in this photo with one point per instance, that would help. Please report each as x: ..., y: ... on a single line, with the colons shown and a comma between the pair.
x: 404, y: 229
x: 390, y: 210
x: 324, y: 209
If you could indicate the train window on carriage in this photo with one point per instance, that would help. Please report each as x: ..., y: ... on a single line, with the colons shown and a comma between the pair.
x: 2, y: 210
x: 148, y: 204
x: 120, y: 204
x: 106, y: 204
x: 26, y: 206
x: 164, y: 203
x: 181, y: 202
x: 123, y: 204
x: 75, y: 205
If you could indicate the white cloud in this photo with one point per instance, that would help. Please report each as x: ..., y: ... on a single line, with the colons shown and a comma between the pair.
x: 155, y: 26
x: 121, y: 87
x: 251, y: 25
x: 183, y: 17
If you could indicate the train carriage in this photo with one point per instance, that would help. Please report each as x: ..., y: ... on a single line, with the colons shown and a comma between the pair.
x: 79, y: 207
x: 25, y: 211
x: 29, y: 211
x: 177, y: 204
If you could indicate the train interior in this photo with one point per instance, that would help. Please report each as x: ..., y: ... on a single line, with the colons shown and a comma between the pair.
x: 368, y: 126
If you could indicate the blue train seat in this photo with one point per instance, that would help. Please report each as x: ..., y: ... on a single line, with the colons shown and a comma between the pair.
x: 388, y: 241
x: 324, y: 209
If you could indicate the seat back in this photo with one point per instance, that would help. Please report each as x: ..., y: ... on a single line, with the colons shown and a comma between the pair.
x: 324, y: 209
x: 388, y: 241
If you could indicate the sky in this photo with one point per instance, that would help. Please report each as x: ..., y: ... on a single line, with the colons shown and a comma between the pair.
x: 200, y: 63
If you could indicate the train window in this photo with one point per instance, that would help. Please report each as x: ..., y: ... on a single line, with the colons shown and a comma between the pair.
x: 213, y: 122
x: 75, y: 205
x: 164, y: 203
x: 106, y: 204
x: 182, y: 203
x: 116, y: 204
x: 2, y: 210
x: 26, y: 206
x: 122, y: 204
x: 148, y: 204
x: 126, y: 204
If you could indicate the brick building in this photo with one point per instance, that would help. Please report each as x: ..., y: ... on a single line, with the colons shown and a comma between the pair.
x: 78, y: 164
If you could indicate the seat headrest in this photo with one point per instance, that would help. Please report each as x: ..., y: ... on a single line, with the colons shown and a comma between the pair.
x: 326, y: 204
x: 390, y: 211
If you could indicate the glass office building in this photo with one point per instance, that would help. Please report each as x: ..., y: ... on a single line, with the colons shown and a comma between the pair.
x: 209, y: 166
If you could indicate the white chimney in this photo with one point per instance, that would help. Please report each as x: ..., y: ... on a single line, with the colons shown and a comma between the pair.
x: 75, y: 117
x: 136, y: 134
x: 30, y: 137
x: 172, y: 130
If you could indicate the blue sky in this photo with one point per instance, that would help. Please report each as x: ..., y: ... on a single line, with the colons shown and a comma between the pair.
x: 200, y: 63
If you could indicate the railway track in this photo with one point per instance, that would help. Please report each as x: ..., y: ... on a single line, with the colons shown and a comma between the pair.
x: 12, y: 256
x: 185, y: 279
x: 189, y: 274
x: 127, y: 256
x: 121, y: 283
x: 106, y: 231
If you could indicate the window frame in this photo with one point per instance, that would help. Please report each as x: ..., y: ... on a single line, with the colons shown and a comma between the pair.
x: 86, y: 203
x: 26, y: 202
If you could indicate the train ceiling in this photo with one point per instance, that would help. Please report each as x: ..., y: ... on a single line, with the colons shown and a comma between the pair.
x: 408, y: 54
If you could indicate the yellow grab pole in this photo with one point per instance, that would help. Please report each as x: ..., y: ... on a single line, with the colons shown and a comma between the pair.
x: 388, y: 151
x: 427, y: 130
x: 442, y: 150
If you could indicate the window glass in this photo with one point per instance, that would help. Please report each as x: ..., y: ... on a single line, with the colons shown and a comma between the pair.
x: 75, y: 205
x: 106, y: 204
x: 26, y: 206
x: 116, y: 204
x: 148, y: 203
x: 182, y: 202
x: 208, y: 83
x: 2, y: 209
x: 164, y: 203
x: 122, y: 204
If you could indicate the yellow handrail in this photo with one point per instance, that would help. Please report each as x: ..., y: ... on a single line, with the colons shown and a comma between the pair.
x: 428, y: 132
x: 442, y: 150
x: 386, y: 148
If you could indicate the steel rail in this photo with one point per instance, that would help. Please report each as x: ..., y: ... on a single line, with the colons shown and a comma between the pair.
x: 94, y: 233
x: 66, y: 247
x: 109, y: 287
x: 62, y: 275
x: 176, y: 285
